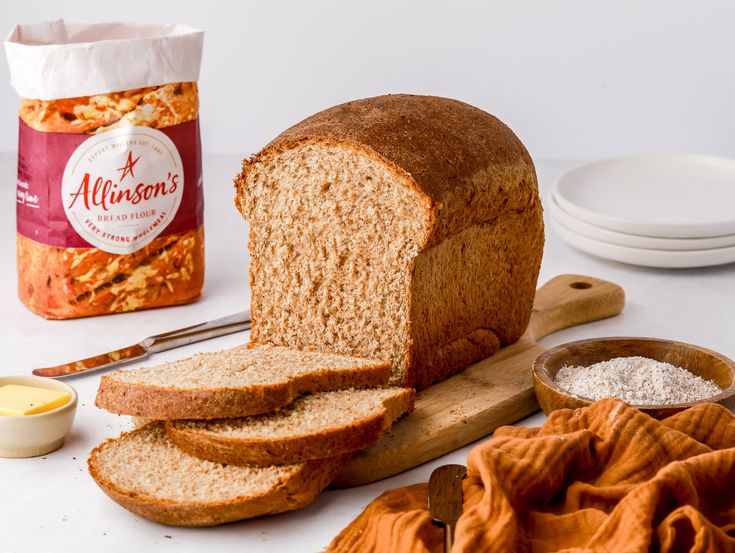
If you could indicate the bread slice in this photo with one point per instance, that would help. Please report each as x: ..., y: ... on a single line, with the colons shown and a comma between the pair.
x: 313, y: 427
x: 233, y: 383
x: 146, y: 473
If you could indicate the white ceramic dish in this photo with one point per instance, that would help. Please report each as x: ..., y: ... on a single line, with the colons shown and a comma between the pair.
x: 644, y: 257
x: 32, y: 435
x: 634, y: 240
x: 655, y: 195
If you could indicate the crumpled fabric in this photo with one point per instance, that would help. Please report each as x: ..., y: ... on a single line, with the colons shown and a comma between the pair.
x: 606, y: 478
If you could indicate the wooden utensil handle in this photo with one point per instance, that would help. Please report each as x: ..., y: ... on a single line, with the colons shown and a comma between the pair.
x: 569, y: 300
x: 448, y: 537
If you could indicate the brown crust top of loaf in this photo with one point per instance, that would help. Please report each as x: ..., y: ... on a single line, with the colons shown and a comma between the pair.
x: 467, y: 162
x: 296, y: 448
x: 296, y: 492
x: 165, y: 403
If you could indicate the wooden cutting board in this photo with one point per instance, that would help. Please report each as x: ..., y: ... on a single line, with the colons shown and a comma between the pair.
x: 493, y: 392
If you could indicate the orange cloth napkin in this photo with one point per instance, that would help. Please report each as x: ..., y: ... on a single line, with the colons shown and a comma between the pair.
x: 606, y: 478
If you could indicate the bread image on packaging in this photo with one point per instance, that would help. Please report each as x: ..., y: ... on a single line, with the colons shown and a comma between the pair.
x: 314, y: 426
x: 236, y: 382
x: 146, y: 473
x: 398, y: 227
x: 109, y: 186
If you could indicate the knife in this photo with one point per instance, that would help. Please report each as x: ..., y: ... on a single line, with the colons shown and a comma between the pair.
x: 445, y: 499
x: 153, y: 344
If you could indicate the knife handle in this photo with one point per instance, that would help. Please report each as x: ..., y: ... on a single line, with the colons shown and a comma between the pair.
x: 196, y: 333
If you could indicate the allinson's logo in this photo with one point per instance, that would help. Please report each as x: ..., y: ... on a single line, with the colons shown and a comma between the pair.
x: 128, y: 167
x: 121, y: 189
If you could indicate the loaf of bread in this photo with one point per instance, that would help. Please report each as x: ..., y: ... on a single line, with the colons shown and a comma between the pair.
x: 400, y: 227
x: 315, y: 426
x: 237, y: 382
x: 147, y: 474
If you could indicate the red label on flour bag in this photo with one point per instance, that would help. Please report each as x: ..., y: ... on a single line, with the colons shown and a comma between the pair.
x: 109, y: 191
x: 118, y: 190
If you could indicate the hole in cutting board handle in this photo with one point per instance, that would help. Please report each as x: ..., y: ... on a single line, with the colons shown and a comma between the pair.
x: 580, y: 285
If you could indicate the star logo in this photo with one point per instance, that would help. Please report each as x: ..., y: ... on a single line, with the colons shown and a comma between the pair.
x: 128, y: 167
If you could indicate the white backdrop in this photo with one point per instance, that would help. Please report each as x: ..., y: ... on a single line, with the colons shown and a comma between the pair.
x: 574, y: 78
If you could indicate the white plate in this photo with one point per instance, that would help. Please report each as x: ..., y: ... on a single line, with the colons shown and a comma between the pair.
x: 655, y: 195
x: 645, y: 257
x: 633, y: 240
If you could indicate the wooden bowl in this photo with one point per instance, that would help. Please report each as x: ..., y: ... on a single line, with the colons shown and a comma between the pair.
x: 702, y: 362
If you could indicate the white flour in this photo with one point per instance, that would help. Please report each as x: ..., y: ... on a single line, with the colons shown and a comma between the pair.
x: 637, y: 380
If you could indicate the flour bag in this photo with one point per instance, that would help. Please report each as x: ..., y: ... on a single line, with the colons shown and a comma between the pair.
x: 109, y: 189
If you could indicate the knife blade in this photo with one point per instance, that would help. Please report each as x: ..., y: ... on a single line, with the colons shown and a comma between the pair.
x: 153, y: 344
x: 445, y: 499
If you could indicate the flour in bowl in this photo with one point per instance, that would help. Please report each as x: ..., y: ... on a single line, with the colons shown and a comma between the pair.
x: 637, y: 380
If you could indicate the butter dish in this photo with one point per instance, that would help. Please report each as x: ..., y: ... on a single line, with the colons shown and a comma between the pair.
x: 40, y: 433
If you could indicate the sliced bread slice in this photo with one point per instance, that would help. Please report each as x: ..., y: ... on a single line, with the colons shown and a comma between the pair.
x: 315, y: 426
x: 236, y: 382
x: 146, y: 473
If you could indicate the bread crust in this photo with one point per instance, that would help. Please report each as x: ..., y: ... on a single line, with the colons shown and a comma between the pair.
x: 295, y: 448
x: 468, y: 164
x: 296, y: 492
x: 161, y: 402
x: 457, y: 318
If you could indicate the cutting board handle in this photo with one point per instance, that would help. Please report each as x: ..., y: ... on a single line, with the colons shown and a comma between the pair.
x: 569, y: 300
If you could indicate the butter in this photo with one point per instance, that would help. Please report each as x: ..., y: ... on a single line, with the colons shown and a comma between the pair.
x: 17, y: 400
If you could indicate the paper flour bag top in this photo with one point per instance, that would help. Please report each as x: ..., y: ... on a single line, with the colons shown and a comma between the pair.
x: 109, y: 190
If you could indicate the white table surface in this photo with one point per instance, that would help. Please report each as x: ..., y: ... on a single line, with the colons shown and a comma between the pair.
x: 51, y: 503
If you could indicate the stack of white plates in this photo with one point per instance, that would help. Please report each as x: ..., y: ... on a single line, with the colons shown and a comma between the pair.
x: 658, y: 210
